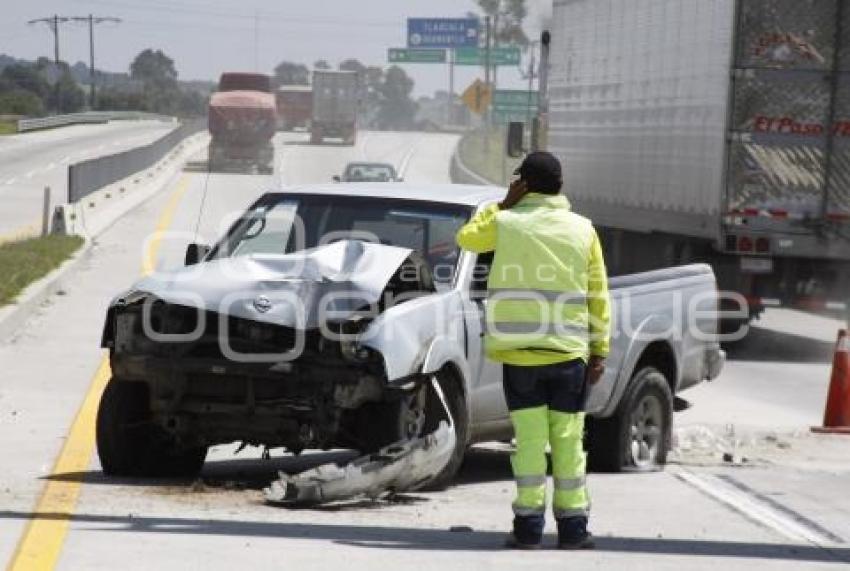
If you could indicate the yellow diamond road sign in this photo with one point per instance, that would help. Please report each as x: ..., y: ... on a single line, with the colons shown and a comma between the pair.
x: 477, y: 96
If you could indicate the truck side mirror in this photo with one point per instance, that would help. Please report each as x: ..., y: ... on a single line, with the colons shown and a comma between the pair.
x: 195, y: 253
x: 514, y: 147
x: 336, y: 178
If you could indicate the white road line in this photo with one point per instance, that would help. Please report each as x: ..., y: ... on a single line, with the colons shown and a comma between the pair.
x: 753, y: 508
x: 50, y: 167
x: 30, y: 174
x: 364, y: 140
x: 65, y: 160
x: 405, y: 162
x: 11, y: 181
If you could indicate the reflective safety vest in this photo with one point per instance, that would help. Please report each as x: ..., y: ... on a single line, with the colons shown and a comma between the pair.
x: 547, y: 298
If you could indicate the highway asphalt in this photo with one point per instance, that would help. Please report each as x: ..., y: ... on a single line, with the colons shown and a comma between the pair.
x: 780, y: 504
x: 31, y: 161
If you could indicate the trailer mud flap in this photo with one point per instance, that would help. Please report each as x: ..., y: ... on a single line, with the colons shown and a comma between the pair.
x: 402, y: 466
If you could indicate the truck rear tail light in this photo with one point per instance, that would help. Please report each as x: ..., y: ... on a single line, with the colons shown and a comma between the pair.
x: 745, y: 244
x: 763, y: 245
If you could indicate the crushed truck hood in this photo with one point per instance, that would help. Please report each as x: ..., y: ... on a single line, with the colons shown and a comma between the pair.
x: 286, y: 290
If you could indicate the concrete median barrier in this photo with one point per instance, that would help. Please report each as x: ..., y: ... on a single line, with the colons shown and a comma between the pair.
x: 89, y: 176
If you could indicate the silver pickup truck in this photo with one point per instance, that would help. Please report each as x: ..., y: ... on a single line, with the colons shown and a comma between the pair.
x: 325, y: 314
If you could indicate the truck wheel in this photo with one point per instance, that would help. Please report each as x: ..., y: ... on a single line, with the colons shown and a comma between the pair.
x: 637, y: 437
x: 130, y: 445
x: 434, y: 413
x: 416, y: 414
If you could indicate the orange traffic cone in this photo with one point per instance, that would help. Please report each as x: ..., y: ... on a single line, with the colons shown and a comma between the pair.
x: 836, y: 419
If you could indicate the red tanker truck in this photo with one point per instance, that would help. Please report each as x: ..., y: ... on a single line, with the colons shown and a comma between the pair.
x: 242, y: 122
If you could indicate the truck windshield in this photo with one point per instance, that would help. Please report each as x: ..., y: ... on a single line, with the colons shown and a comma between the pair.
x: 287, y: 224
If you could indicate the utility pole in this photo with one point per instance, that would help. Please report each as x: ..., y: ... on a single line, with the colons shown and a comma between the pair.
x: 530, y: 83
x: 540, y: 127
x: 52, y: 23
x: 451, y: 102
x: 92, y: 20
x: 256, y: 40
x: 487, y: 33
x: 495, y: 45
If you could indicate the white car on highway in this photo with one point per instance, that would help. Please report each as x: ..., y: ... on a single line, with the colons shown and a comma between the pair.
x: 320, y: 318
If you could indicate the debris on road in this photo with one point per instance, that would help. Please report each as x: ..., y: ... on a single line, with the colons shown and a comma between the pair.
x: 734, y: 459
x: 403, y: 466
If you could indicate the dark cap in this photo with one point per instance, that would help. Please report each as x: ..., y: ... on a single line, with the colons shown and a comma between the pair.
x: 542, y: 172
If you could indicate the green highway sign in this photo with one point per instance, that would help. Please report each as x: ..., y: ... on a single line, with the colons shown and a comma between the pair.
x: 503, y: 116
x: 507, y: 55
x: 514, y: 99
x: 416, y: 55
x: 512, y: 105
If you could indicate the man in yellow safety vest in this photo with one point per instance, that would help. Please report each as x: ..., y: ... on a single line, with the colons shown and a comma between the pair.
x: 548, y: 323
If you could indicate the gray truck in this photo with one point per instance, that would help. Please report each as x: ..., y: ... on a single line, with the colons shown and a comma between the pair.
x: 336, y: 99
x: 325, y: 316
x: 714, y: 131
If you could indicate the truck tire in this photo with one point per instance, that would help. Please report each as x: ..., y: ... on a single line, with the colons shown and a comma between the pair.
x: 434, y: 413
x: 129, y: 445
x: 638, y: 436
x: 416, y: 414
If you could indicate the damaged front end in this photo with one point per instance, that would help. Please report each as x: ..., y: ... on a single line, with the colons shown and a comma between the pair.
x: 266, y: 350
x: 405, y: 465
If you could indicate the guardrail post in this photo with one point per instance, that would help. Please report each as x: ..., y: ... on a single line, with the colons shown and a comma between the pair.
x: 45, y: 213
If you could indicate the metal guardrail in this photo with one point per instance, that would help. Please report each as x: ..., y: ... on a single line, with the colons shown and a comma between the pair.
x: 89, y: 176
x: 86, y: 118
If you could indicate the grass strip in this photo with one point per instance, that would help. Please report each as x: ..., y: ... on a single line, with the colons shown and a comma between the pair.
x: 8, y: 127
x: 26, y: 261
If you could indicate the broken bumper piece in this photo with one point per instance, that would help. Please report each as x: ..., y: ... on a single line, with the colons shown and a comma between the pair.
x: 405, y: 465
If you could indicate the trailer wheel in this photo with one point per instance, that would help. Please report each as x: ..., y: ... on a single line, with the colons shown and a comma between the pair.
x: 130, y: 445
x: 638, y: 436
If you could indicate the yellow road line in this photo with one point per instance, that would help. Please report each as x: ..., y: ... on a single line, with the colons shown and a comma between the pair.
x: 149, y: 262
x: 41, y: 543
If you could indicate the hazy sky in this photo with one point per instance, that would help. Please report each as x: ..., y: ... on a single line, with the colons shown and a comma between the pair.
x: 206, y: 37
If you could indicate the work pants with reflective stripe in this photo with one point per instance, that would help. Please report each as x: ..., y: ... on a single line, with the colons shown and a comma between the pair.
x: 547, y: 407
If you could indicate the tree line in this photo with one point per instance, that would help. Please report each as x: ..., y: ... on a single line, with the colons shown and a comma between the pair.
x: 43, y: 87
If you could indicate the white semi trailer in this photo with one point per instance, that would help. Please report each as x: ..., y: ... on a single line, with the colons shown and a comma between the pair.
x: 714, y: 131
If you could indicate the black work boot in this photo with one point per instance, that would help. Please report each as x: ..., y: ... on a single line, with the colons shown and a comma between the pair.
x: 573, y: 534
x: 527, y: 533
